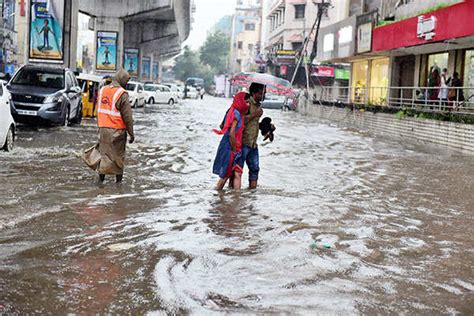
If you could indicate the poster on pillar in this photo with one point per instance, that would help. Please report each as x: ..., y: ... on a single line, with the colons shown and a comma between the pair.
x: 130, y: 61
x: 46, y: 30
x: 106, y: 58
x: 155, y: 72
x: 146, y: 64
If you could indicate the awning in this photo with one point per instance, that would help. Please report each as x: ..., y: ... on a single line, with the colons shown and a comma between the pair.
x: 296, y: 38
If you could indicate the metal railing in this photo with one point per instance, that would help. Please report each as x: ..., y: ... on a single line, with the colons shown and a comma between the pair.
x: 426, y: 99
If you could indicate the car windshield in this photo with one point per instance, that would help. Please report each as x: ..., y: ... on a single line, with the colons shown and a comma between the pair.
x: 40, y: 78
x: 150, y: 88
x: 130, y: 86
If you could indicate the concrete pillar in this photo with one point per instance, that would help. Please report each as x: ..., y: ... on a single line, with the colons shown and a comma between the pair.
x: 110, y: 24
x: 70, y: 33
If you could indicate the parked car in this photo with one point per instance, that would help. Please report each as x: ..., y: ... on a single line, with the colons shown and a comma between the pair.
x: 7, y: 124
x: 192, y: 93
x: 160, y: 94
x: 45, y: 94
x: 136, y: 94
x: 174, y: 88
x: 273, y: 101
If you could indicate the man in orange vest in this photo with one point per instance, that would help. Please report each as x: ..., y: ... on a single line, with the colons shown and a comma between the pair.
x: 115, y: 120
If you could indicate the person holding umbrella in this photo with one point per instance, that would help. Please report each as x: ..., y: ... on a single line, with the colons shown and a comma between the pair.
x: 250, y: 134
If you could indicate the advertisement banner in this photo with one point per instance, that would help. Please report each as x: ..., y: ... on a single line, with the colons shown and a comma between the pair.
x: 286, y: 56
x: 155, y: 71
x: 342, y: 74
x: 323, y: 71
x: 46, y: 29
x: 130, y: 61
x: 146, y: 65
x: 106, y: 54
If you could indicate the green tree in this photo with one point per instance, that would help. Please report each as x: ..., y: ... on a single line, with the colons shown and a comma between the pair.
x: 215, y: 52
x: 187, y: 64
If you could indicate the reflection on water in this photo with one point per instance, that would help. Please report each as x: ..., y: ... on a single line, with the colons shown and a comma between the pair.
x: 341, y: 223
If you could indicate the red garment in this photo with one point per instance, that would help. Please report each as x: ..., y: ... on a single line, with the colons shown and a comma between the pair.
x: 239, y: 104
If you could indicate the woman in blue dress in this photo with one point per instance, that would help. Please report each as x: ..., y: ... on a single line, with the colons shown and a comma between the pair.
x: 228, y: 160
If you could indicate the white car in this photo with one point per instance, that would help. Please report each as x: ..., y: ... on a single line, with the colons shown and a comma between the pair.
x: 175, y: 89
x: 7, y: 124
x: 192, y: 93
x: 136, y: 94
x: 160, y: 94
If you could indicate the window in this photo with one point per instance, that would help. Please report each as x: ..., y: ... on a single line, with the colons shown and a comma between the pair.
x: 379, y: 81
x: 239, y: 45
x: 359, y: 81
x: 296, y: 45
x: 250, y: 26
x: 299, y: 11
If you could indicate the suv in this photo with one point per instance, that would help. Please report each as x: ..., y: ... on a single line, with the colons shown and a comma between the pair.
x: 45, y: 94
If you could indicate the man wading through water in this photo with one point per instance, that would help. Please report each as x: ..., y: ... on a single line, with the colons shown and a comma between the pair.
x: 114, y: 118
x: 250, y: 134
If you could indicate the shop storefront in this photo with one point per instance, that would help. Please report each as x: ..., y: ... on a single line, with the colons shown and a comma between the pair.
x: 428, y: 42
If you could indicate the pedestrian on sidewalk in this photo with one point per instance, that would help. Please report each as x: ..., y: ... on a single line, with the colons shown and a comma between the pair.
x: 249, y: 140
x: 443, y: 88
x: 228, y: 162
x: 115, y: 120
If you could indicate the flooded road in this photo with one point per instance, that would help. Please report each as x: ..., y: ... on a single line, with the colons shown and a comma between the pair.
x: 342, y: 222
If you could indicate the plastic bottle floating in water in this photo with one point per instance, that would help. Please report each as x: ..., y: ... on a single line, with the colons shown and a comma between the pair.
x: 315, y: 246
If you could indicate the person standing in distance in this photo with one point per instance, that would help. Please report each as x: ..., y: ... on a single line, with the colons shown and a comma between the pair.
x: 250, y: 134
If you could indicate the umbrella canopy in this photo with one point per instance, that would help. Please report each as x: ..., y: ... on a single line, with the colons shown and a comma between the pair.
x: 274, y: 85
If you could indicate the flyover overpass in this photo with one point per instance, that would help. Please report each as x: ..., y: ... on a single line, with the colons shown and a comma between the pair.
x: 156, y: 27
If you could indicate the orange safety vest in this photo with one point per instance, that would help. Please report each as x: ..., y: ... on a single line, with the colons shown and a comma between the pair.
x: 107, y: 113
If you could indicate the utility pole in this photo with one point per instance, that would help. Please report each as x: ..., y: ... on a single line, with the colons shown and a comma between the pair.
x: 323, y: 6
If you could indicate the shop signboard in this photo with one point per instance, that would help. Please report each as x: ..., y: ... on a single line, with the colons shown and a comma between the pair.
x: 426, y: 27
x: 344, y: 40
x: 342, y: 74
x: 338, y: 40
x: 285, y: 56
x: 155, y: 71
x: 146, y: 65
x: 433, y: 26
x: 130, y: 61
x: 364, y: 37
x: 323, y: 71
x: 46, y: 26
x: 106, y: 53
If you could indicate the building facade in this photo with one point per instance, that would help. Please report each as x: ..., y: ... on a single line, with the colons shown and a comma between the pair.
x: 392, y: 46
x: 288, y: 24
x: 246, y: 36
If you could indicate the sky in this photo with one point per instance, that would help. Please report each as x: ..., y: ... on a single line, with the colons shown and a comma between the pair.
x: 208, y: 13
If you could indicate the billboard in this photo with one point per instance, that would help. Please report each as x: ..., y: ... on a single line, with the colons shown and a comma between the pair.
x: 130, y: 61
x: 106, y: 53
x: 46, y: 26
x: 155, y: 71
x: 146, y: 65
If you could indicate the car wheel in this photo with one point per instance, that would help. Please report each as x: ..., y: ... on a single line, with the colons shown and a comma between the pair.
x: 171, y: 102
x: 8, y: 146
x: 135, y: 104
x: 152, y: 101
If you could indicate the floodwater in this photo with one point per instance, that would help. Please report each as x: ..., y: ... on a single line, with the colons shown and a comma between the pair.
x: 342, y: 223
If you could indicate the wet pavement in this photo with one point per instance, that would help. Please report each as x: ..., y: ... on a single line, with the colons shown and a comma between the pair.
x: 342, y: 223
